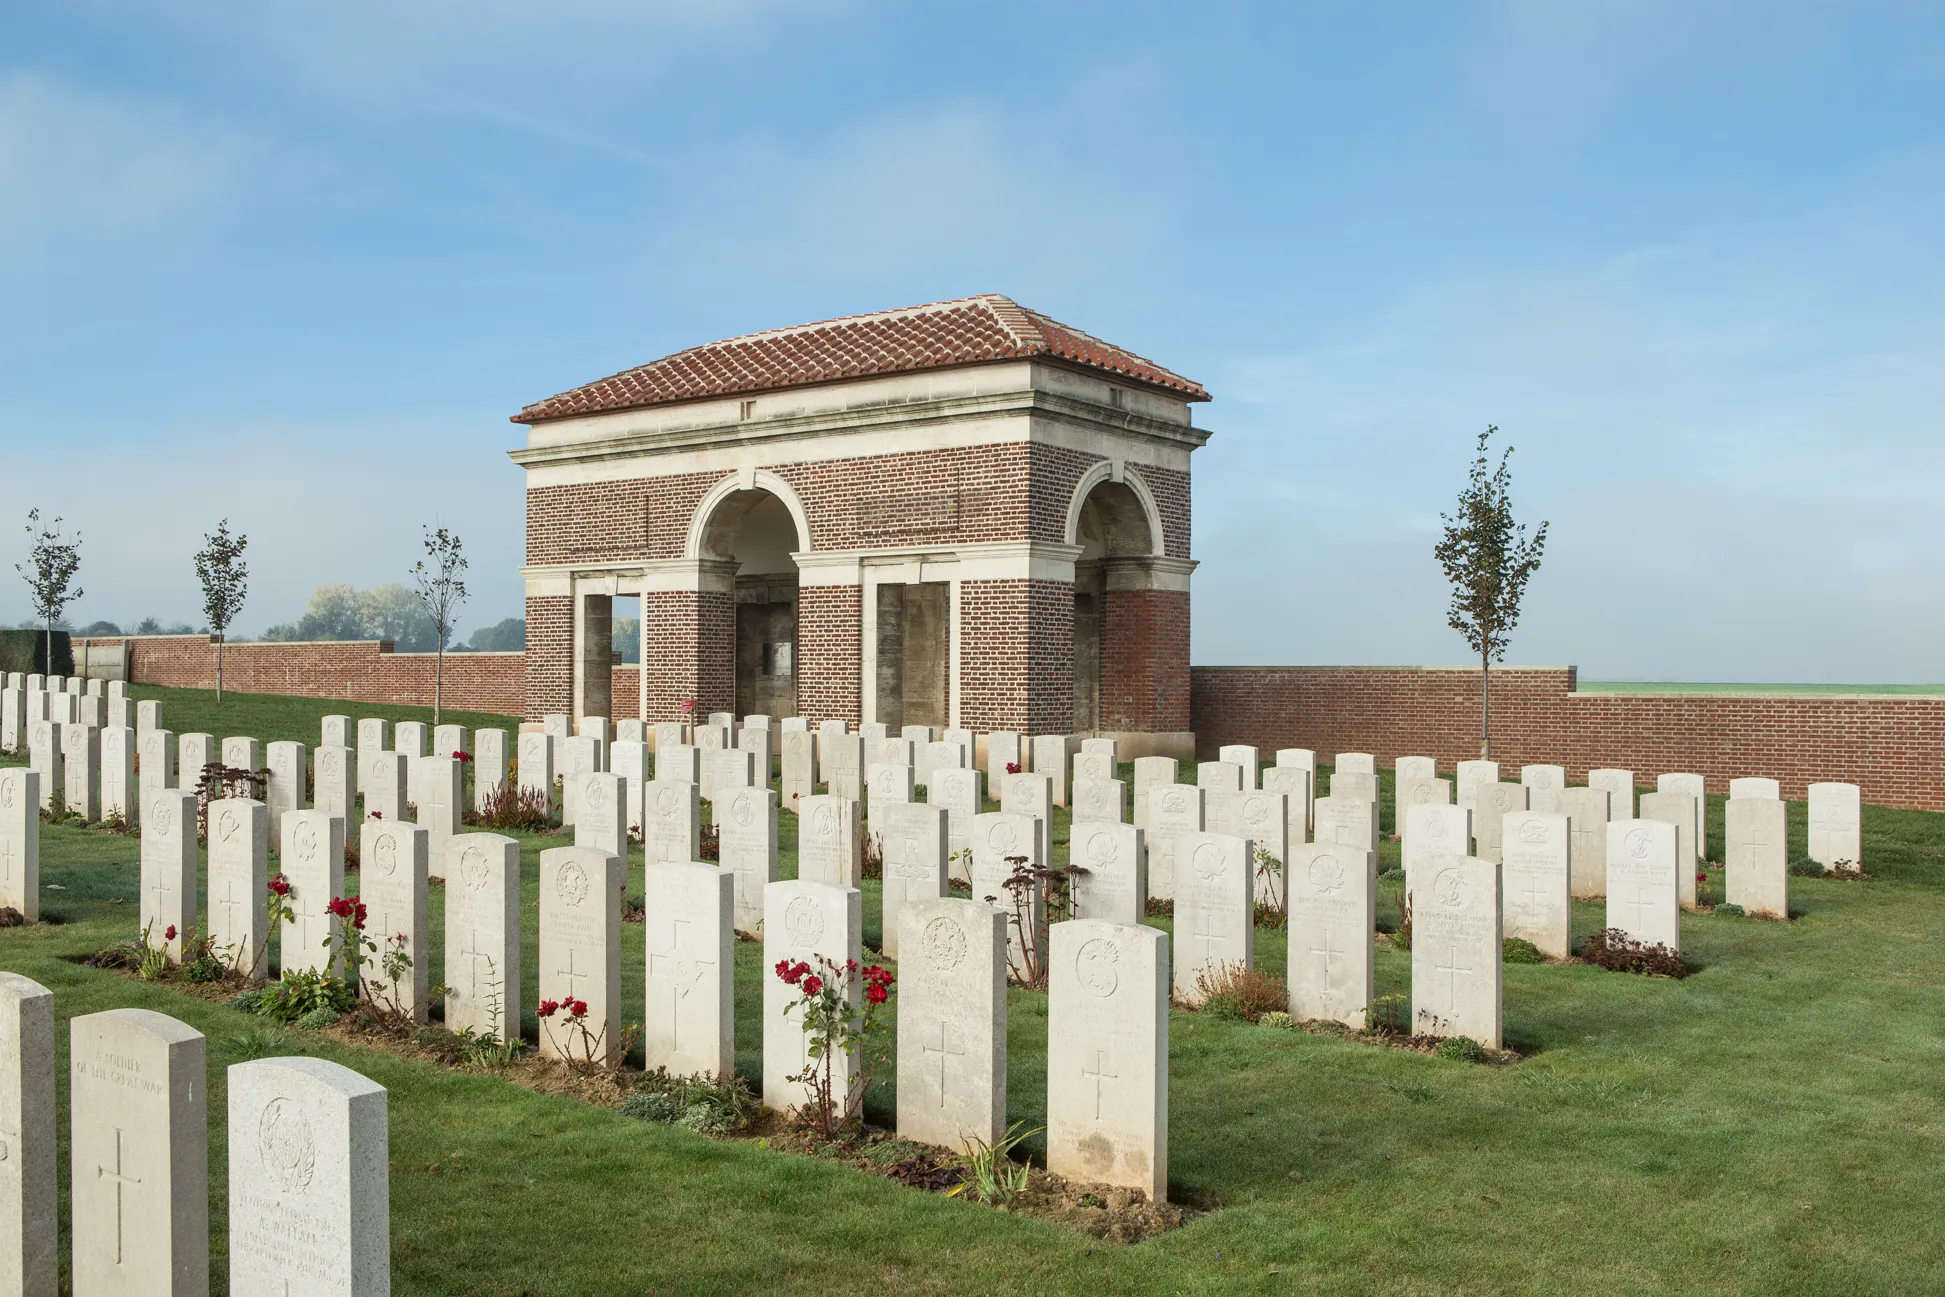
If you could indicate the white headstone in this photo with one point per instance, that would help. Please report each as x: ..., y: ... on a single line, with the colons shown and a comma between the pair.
x: 688, y: 1013
x: 557, y: 726
x: 81, y: 768
x: 120, y: 712
x: 602, y: 822
x: 674, y: 833
x: 733, y: 768
x: 482, y: 936
x: 44, y: 748
x: 336, y: 732
x: 628, y: 763
x: 803, y: 921
x: 1357, y: 786
x: 155, y: 763
x: 239, y: 868
x: 1492, y: 802
x: 148, y: 716
x: 535, y: 769
x: 1003, y: 749
x: 374, y: 735
x: 1173, y: 810
x: 843, y: 759
x: 951, y: 1023
x: 1417, y: 790
x: 288, y: 764
x: 1456, y: 952
x: 1246, y: 757
x: 761, y: 745
x: 409, y: 737
x: 1619, y: 787
x: 1001, y: 842
x: 1215, y: 910
x: 1091, y: 767
x: 335, y: 782
x: 579, y: 755
x: 830, y: 843
x: 1348, y: 822
x: 1836, y: 825
x: 29, y: 1221
x: 489, y: 766
x: 1756, y: 787
x: 1543, y: 785
x: 138, y: 1104
x: 13, y: 718
x: 385, y: 783
x: 1151, y: 773
x: 962, y: 792
x: 241, y: 752
x: 799, y: 767
x: 1107, y: 1056
x: 890, y: 785
x: 746, y: 846
x: 1292, y: 783
x: 914, y: 839
x: 1415, y: 768
x: 710, y: 739
x: 1355, y: 763
x: 1644, y: 897
x: 119, y: 794
x: 1586, y: 812
x: 1113, y: 886
x: 1433, y: 831
x: 308, y: 1141
x: 1333, y: 903
x: 1050, y: 753
x: 1677, y: 809
x: 20, y: 839
x: 449, y: 740
x: 921, y: 738
x: 1755, y: 858
x: 1696, y: 787
x: 580, y: 950
x: 1469, y: 776
x: 312, y: 857
x: 1219, y: 776
x: 169, y: 869
x: 1100, y: 799
x: 394, y: 863
x: 826, y: 731
x: 1264, y: 819
x: 631, y: 731
x: 1535, y: 850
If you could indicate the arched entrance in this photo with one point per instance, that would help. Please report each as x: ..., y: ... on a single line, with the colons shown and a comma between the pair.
x: 754, y: 529
x: 1112, y: 527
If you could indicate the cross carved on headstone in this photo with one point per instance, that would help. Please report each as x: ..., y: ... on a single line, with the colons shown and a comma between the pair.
x: 1329, y: 954
x: 121, y: 1180
x: 569, y: 973
x: 1643, y: 906
x: 1532, y: 894
x: 1098, y: 1075
x: 1209, y: 936
x: 1452, y: 968
x: 1755, y: 834
x: 945, y: 1051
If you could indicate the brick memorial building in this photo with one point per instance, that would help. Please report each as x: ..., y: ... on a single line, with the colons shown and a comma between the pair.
x: 960, y: 515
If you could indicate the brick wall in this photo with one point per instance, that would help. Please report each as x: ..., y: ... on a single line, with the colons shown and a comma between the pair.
x: 830, y: 662
x: 549, y: 667
x: 357, y: 670
x: 1893, y: 746
x: 1145, y: 661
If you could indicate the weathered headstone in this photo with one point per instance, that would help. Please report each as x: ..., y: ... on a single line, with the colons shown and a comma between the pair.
x: 239, y: 855
x: 580, y: 950
x: 1355, y: 763
x: 1417, y: 790
x: 535, y: 770
x: 1696, y: 787
x: 1535, y: 850
x: 1644, y: 897
x: 1173, y: 810
x: 1586, y: 812
x: 385, y: 786
x: 826, y: 731
x: 155, y: 763
x: 1091, y: 767
x: 1215, y: 910
x: 1333, y: 901
x: 1003, y: 749
x: 1100, y: 799
x: 746, y: 821
x: 962, y: 792
x: 1001, y: 841
x: 1433, y: 831
x: 1219, y: 776
x: 1050, y: 753
x: 288, y: 764
x: 710, y: 739
x: 920, y: 739
x: 45, y: 745
x: 449, y: 740
x: 830, y: 842
x: 1292, y: 783
x: 394, y: 864
x: 1755, y: 787
x: 734, y: 768
x: 799, y: 767
x: 336, y: 732
x: 628, y: 763
x: 374, y: 735
x: 914, y: 837
x: 603, y: 820
x: 29, y: 1194
x: 1755, y: 859
x: 489, y: 766
x: 118, y: 791
x: 169, y: 869
x: 1543, y: 784
x: 1107, y: 1056
x: 409, y: 738
x: 335, y: 783
x: 803, y: 921
x: 1246, y: 757
x: 674, y: 832
x: 138, y: 1140
x: 688, y: 1012
x: 1264, y: 819
x: 1032, y: 795
x: 1113, y: 886
x: 596, y: 728
x: 1469, y: 776
x: 120, y: 712
x: 482, y: 937
x: 631, y: 731
x: 148, y: 716
x: 1354, y: 785
x: 670, y: 733
x: 844, y: 766
x: 761, y: 745
x: 1150, y: 773
x: 580, y: 755
x: 89, y: 711
x: 81, y: 769
x: 1836, y: 825
x: 1677, y: 809
x: 1456, y: 952
x: 1348, y: 821
x: 13, y: 716
x: 1492, y: 802
x: 20, y: 842
x: 951, y: 1023
x: 312, y: 857
x: 679, y: 763
x: 308, y: 1142
x: 240, y: 752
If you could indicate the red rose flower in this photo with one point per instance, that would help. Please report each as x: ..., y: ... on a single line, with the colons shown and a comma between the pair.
x: 169, y: 933
x: 876, y: 993
x: 579, y: 1008
x: 548, y: 1008
x: 462, y: 756
x: 812, y: 985
x: 378, y: 815
x: 1012, y: 767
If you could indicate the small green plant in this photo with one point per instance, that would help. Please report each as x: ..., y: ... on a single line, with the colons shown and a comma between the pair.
x: 153, y: 961
x: 200, y: 962
x: 1387, y: 1015
x: 1518, y: 950
x: 1729, y: 910
x: 1237, y: 994
x: 301, y: 992
x: 1614, y: 950
x: 1461, y: 1049
x: 1278, y: 1019
x: 319, y: 1018
x: 992, y: 1174
x: 1269, y: 877
x: 832, y: 1028
x: 708, y: 1105
x: 1401, y: 938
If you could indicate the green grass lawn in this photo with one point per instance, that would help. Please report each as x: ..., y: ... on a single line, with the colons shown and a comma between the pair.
x: 1688, y: 687
x: 1773, y: 1122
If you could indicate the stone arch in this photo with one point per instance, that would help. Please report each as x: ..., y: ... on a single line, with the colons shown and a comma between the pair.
x: 719, y: 515
x: 1115, y: 513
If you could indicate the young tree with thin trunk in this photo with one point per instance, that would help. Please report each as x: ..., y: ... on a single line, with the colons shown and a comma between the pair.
x: 1488, y: 558
x: 441, y: 591
x: 52, y: 561
x: 226, y: 580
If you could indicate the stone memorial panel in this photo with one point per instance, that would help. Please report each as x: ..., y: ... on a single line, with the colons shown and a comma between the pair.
x: 482, y: 936
x: 580, y: 949
x: 239, y: 869
x: 1107, y: 1056
x: 1333, y: 903
x: 1456, y: 952
x: 688, y: 1012
x: 747, y: 846
x: 395, y: 864
x: 951, y: 1023
x: 1644, y: 897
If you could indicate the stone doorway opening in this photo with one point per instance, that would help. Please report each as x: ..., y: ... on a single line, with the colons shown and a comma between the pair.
x: 1112, y: 525
x: 914, y: 653
x: 754, y: 530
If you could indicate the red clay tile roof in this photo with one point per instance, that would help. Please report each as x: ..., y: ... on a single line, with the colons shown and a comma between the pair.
x: 968, y: 331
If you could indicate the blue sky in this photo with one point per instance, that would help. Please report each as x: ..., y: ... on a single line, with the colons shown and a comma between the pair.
x: 294, y: 264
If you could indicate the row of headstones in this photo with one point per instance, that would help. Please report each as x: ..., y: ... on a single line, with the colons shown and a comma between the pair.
x: 27, y: 698
x: 81, y: 742
x: 309, y: 1188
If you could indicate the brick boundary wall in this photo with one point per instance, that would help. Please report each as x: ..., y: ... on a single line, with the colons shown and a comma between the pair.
x: 1893, y: 746
x: 355, y: 670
